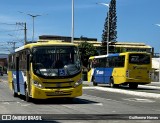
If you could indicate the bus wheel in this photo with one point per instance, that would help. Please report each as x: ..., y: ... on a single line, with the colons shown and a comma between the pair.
x: 13, y: 91
x: 133, y: 85
x: 27, y: 98
x: 69, y: 99
x: 94, y: 83
x: 111, y: 83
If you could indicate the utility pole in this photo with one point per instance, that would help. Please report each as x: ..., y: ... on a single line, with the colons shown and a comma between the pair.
x: 14, y: 45
x: 33, y: 17
x: 25, y: 31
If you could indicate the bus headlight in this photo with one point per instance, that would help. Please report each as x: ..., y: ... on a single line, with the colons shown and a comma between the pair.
x: 37, y: 84
x: 79, y: 82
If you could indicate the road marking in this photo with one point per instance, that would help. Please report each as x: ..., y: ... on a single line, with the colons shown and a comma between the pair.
x: 149, y: 87
x: 99, y: 104
x: 129, y: 92
x: 139, y: 100
x: 22, y: 104
x: 6, y: 103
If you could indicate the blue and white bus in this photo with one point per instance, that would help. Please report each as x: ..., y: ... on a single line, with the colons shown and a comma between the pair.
x: 131, y: 68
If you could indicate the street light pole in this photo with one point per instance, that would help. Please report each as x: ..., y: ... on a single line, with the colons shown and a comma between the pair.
x: 108, y: 31
x: 159, y: 58
x: 108, y: 5
x: 33, y: 16
x: 72, y: 32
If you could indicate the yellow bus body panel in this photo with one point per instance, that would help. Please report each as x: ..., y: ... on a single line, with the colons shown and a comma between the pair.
x: 10, y: 79
x: 44, y: 93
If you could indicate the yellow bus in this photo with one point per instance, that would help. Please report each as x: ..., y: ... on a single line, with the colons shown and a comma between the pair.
x: 129, y: 68
x: 45, y: 70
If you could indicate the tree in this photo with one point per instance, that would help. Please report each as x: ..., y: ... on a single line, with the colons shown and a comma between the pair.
x: 86, y: 50
x: 112, y: 27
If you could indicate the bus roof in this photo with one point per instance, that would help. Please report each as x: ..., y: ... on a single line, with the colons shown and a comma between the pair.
x: 44, y: 43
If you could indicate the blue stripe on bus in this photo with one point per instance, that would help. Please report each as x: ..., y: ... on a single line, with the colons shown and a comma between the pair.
x: 21, y: 82
x: 102, y: 75
x: 116, y: 54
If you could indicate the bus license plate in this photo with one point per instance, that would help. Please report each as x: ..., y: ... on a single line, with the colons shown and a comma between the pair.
x: 58, y: 92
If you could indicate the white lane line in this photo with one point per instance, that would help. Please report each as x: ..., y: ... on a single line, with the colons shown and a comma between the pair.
x: 139, y: 100
x: 6, y: 103
x: 150, y: 87
x: 99, y: 104
x: 141, y: 94
x: 23, y: 104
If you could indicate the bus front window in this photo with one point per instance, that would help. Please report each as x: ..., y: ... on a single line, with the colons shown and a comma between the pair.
x: 56, y: 61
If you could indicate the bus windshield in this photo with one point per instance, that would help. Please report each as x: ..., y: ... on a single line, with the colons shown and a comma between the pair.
x: 56, y: 61
x: 139, y: 59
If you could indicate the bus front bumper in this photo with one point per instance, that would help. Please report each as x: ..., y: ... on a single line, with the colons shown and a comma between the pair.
x: 39, y: 93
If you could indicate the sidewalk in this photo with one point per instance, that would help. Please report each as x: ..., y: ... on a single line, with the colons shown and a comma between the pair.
x: 86, y: 83
x: 154, y: 84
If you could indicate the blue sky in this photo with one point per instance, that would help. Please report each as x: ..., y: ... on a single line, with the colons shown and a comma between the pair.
x: 136, y: 20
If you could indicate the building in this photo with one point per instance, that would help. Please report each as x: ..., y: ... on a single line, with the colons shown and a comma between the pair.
x: 3, y: 59
x: 65, y: 38
x: 115, y: 47
x: 131, y: 47
x: 3, y: 62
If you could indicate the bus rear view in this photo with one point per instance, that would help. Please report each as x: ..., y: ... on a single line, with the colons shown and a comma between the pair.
x: 138, y: 67
x: 128, y: 68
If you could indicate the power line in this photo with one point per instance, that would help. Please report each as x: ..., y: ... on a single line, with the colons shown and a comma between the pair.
x: 11, y: 30
x: 33, y: 17
x: 7, y: 23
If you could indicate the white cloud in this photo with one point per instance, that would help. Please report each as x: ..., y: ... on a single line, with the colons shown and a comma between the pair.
x: 157, y: 24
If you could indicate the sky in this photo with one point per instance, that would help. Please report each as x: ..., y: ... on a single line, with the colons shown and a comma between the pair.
x: 136, y: 20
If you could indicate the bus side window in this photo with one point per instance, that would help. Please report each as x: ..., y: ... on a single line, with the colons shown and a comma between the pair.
x: 102, y: 62
x: 120, y: 61
x: 107, y: 62
x: 111, y: 62
x: 94, y: 63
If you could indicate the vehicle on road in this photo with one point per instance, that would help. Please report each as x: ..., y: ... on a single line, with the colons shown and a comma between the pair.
x: 45, y: 70
x: 131, y: 68
x: 1, y: 71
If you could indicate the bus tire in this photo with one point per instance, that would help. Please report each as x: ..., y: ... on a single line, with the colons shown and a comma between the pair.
x: 94, y: 83
x: 111, y: 83
x: 27, y: 98
x: 13, y: 91
x: 69, y: 99
x: 133, y: 85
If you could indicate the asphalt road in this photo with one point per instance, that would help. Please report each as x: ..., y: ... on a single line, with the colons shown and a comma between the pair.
x: 97, y: 104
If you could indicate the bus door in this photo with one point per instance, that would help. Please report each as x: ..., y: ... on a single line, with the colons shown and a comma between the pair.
x: 28, y: 74
x: 16, y: 76
x: 90, y: 71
